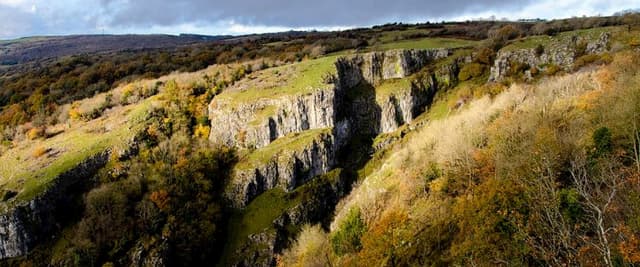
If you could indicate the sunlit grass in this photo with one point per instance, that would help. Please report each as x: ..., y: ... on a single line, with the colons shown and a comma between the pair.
x: 425, y: 43
x: 30, y: 176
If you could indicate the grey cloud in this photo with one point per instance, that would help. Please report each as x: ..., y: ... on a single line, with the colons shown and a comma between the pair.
x: 290, y: 13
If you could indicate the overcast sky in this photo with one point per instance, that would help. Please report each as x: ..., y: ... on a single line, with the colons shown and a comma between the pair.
x: 19, y: 18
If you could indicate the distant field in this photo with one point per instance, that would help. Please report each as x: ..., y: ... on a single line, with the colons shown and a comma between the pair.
x: 391, y: 36
x: 425, y: 43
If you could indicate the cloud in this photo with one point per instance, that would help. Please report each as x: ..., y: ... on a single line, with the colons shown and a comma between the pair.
x: 37, y: 17
x: 291, y: 13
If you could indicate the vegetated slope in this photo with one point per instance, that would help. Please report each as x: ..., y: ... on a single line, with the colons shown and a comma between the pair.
x: 542, y: 174
x: 165, y: 201
x: 34, y: 48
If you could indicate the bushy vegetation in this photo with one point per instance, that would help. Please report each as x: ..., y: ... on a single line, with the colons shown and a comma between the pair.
x: 163, y: 204
x: 542, y: 175
x: 538, y: 174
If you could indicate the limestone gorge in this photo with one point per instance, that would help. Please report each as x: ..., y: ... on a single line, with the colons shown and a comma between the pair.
x: 474, y: 143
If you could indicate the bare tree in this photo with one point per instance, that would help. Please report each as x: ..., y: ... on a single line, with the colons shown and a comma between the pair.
x: 550, y: 234
x: 598, y: 192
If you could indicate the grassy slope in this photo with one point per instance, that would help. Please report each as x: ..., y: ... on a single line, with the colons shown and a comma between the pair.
x: 425, y: 43
x: 29, y: 175
x: 299, y: 78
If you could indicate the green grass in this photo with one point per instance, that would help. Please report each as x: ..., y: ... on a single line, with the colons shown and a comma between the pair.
x: 299, y: 78
x: 425, y: 43
x: 30, y: 177
x: 262, y: 114
x: 391, y: 36
x: 545, y: 40
x: 287, y: 144
x: 388, y: 87
x: 259, y: 215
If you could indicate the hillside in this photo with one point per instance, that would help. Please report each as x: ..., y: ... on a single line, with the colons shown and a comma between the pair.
x: 19, y: 51
x: 497, y: 143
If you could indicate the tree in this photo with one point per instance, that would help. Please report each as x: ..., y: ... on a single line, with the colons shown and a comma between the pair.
x: 598, y: 194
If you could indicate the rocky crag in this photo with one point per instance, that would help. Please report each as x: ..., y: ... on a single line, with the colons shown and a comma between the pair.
x: 301, y: 136
x: 344, y: 105
x: 27, y: 223
x: 561, y: 54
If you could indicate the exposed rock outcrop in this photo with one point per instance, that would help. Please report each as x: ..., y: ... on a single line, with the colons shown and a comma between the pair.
x: 322, y: 196
x: 258, y: 123
x: 405, y: 104
x: 562, y: 54
x: 376, y: 67
x: 24, y: 225
x: 349, y: 105
x: 287, y: 163
x: 27, y: 223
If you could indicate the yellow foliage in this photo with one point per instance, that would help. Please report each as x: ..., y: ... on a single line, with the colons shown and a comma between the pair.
x: 74, y: 112
x: 202, y: 131
x: 39, y: 151
x: 36, y: 132
x: 310, y: 249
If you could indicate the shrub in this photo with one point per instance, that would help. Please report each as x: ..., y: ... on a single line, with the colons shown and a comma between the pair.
x: 310, y: 249
x: 39, y: 151
x: 346, y: 239
x: 602, y: 141
x: 585, y: 60
x: 504, y: 33
x: 202, y: 131
x: 485, y: 56
x: 126, y: 94
x: 470, y: 71
x: 160, y: 198
x: 74, y: 111
x: 539, y: 50
x: 552, y: 69
x: 35, y: 133
x: 517, y: 69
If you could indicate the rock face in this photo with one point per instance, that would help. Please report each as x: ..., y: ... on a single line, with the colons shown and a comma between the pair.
x: 562, y: 54
x: 26, y: 224
x: 257, y: 124
x: 289, y: 167
x: 407, y: 103
x: 346, y: 106
x: 261, y: 248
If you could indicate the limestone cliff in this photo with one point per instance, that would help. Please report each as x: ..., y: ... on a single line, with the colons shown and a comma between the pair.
x: 287, y: 163
x: 314, y: 203
x: 26, y: 224
x: 257, y: 123
x: 561, y: 54
x: 321, y: 121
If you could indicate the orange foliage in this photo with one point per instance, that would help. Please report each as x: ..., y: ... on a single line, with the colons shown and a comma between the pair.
x: 160, y: 198
x: 39, y: 151
x: 380, y: 244
x: 484, y: 163
x: 629, y: 248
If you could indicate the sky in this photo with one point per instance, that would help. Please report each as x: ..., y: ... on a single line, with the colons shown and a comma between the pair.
x: 21, y: 18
